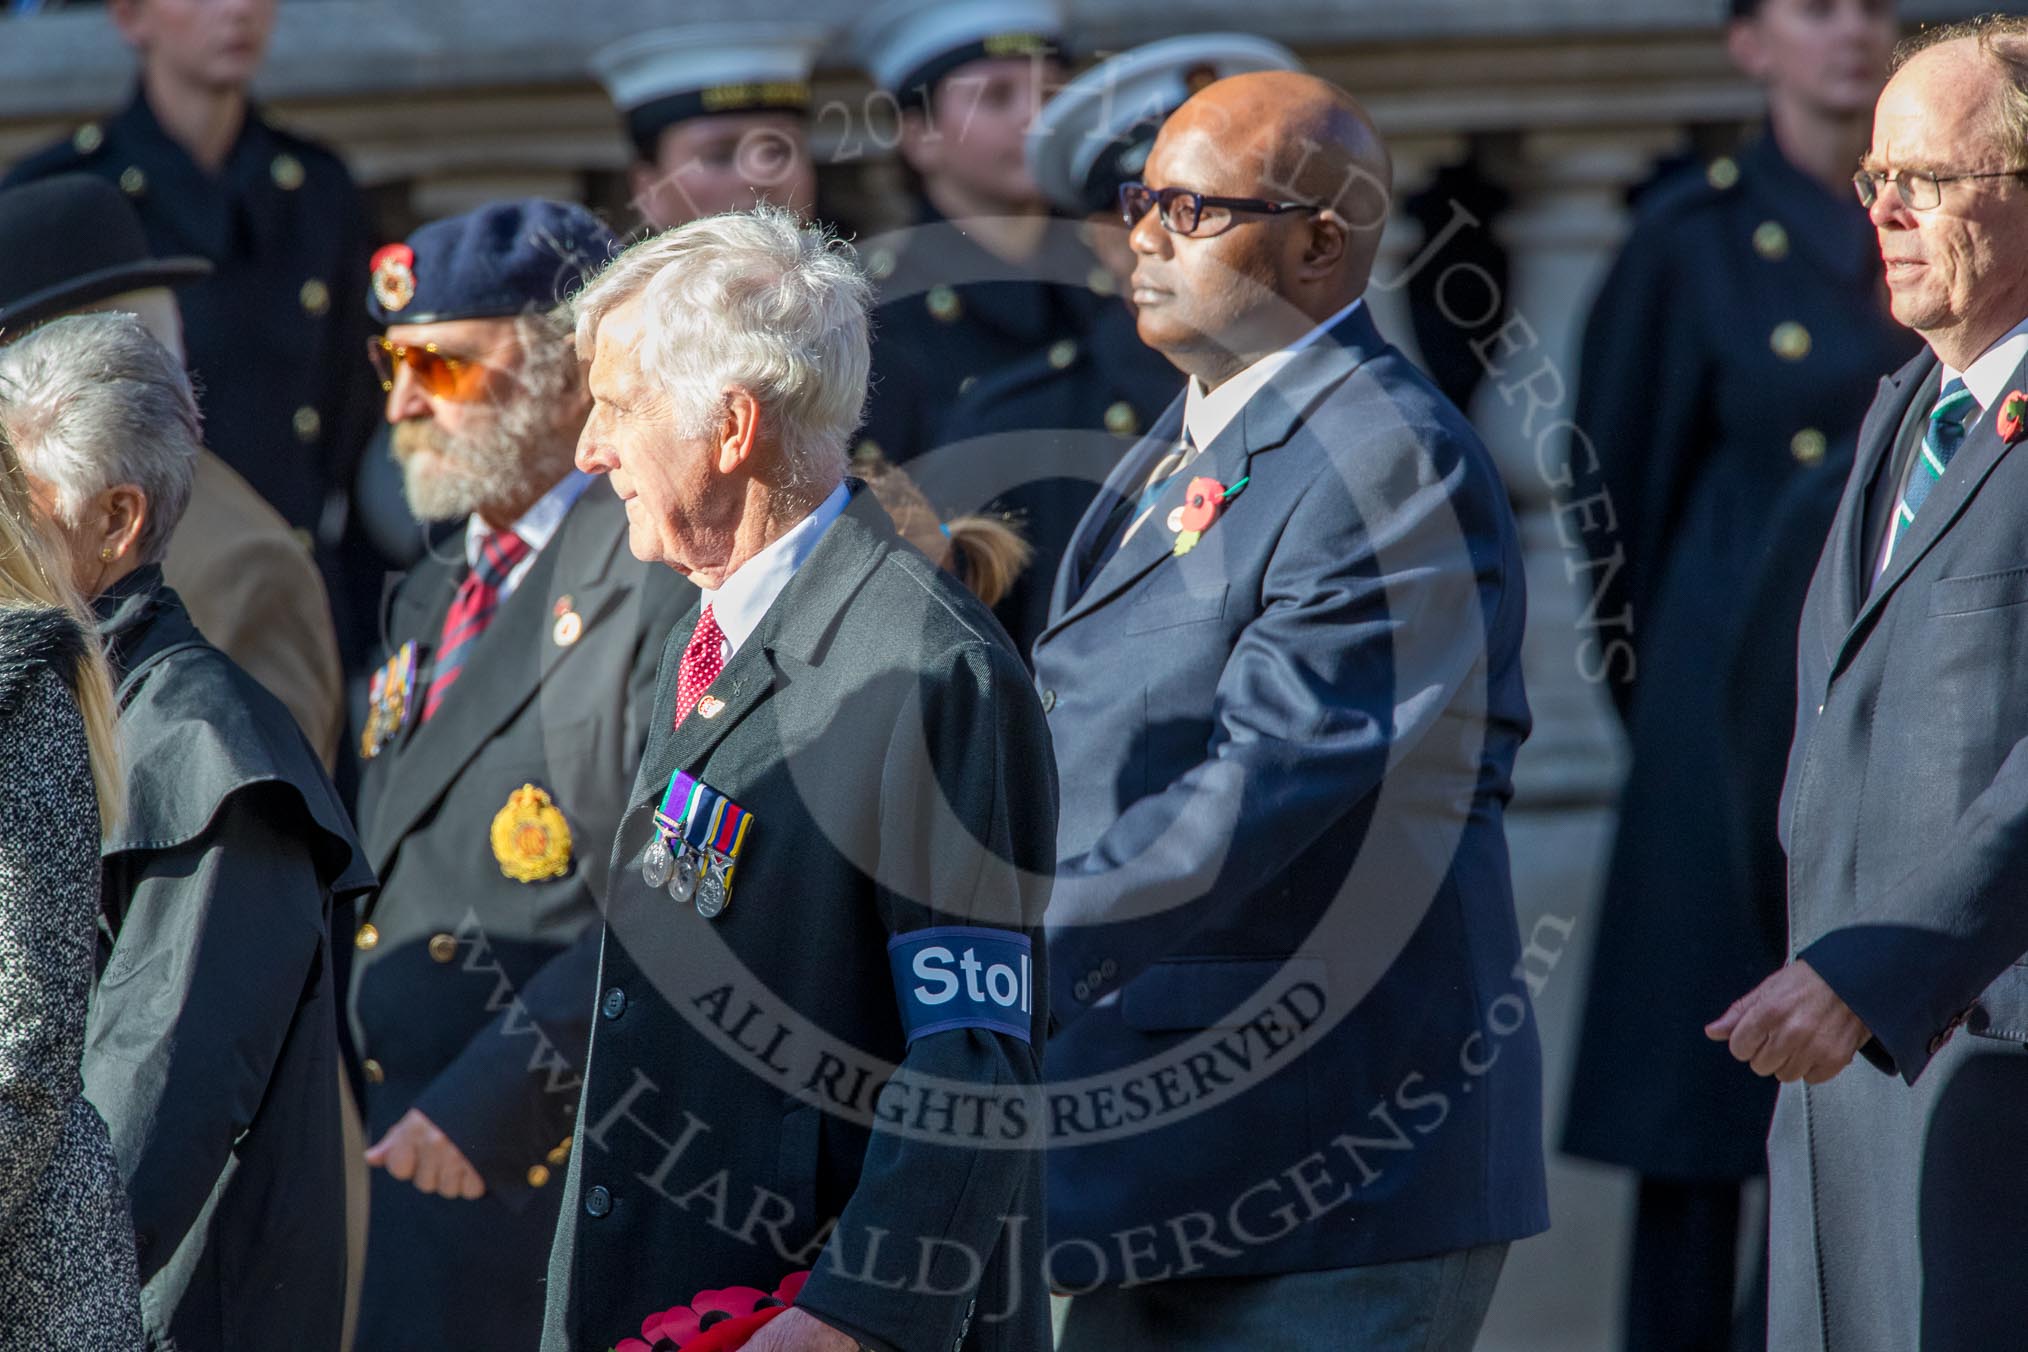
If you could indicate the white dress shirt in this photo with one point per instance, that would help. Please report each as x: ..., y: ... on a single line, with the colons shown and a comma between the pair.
x: 536, y: 527
x: 742, y: 600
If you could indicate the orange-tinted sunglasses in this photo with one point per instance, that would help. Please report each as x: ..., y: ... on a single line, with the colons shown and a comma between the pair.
x: 441, y: 375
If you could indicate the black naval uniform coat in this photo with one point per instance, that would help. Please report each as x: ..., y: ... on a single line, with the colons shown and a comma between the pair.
x: 275, y: 336
x: 1733, y: 346
x: 949, y: 313
x: 212, y: 1039
x: 1033, y: 441
x: 470, y: 991
x: 744, y: 1116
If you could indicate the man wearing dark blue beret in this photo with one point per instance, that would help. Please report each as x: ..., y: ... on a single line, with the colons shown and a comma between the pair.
x: 504, y: 726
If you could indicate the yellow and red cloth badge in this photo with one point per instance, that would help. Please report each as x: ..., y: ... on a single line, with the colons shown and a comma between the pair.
x: 531, y: 840
x: 394, y: 276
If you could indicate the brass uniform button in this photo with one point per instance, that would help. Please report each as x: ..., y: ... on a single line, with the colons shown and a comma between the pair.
x: 538, y: 1174
x: 88, y: 138
x: 1807, y: 446
x: 1722, y: 172
x: 1121, y: 421
x: 561, y: 1155
x: 315, y: 296
x: 307, y: 423
x: 443, y: 947
x: 1102, y: 282
x: 287, y: 172
x: 1770, y: 241
x: 1790, y: 341
x: 943, y: 303
x: 1062, y: 353
x: 132, y: 181
x: 371, y: 1069
x: 366, y: 938
x: 880, y: 264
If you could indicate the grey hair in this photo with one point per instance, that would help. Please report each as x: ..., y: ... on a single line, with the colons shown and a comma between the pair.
x: 755, y: 300
x: 91, y: 401
x: 2003, y: 40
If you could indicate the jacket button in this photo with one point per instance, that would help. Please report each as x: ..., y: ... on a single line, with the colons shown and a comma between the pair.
x: 615, y: 1003
x: 370, y: 1068
x: 1048, y: 700
x: 598, y: 1202
x: 538, y: 1174
x: 1081, y: 991
x: 443, y: 947
x: 366, y: 938
x: 1109, y: 969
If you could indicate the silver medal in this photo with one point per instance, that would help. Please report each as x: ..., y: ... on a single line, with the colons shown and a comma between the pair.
x: 657, y: 863
x: 684, y: 884
x: 710, y: 893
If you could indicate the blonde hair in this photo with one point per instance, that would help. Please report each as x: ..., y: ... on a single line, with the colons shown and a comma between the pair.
x: 985, y: 553
x: 32, y: 575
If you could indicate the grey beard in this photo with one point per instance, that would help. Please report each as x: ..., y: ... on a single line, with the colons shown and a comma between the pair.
x: 514, y: 461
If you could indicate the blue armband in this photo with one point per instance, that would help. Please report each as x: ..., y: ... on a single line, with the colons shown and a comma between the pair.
x: 960, y: 976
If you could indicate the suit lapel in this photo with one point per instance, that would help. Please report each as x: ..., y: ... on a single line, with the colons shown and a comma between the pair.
x: 1268, y: 419
x: 509, y: 663
x: 1969, y: 468
x: 1074, y: 577
x: 1879, y: 434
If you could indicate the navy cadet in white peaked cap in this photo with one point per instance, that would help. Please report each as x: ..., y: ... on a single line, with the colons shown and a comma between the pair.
x: 718, y: 114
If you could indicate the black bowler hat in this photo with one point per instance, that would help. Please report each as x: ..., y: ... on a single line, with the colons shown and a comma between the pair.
x: 70, y: 240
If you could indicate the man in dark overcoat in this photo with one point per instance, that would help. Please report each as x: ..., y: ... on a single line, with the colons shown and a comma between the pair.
x: 821, y: 1004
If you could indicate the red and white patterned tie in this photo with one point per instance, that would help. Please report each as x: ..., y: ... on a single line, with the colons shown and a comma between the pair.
x: 703, y: 659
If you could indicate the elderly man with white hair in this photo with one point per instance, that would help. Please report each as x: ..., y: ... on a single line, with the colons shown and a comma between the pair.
x: 820, y: 999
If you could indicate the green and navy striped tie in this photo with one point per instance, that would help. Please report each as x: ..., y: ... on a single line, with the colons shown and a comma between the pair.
x: 1955, y: 411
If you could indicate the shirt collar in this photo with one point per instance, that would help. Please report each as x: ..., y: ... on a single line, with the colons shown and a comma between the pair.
x: 742, y: 600
x: 1987, y: 376
x: 538, y: 524
x: 1206, y: 413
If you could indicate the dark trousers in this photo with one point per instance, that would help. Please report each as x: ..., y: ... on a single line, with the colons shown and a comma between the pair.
x: 1684, y: 1271
x: 1421, y: 1305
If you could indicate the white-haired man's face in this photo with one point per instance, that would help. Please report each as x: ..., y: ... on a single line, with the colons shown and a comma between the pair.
x: 683, y: 499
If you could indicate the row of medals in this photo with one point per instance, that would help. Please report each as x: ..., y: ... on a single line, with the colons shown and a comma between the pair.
x: 690, y: 874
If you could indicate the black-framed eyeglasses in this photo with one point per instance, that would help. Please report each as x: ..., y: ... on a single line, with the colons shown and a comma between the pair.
x: 1183, y: 212
x: 1919, y: 191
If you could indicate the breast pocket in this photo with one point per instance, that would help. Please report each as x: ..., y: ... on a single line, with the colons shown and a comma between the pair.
x: 1978, y: 591
x: 1170, y: 609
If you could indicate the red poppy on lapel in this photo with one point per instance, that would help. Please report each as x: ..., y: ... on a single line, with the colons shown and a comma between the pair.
x: 714, y: 1321
x: 1203, y: 500
x: 2012, y: 422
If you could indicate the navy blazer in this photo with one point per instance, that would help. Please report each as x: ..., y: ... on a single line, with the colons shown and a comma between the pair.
x: 1295, y: 1022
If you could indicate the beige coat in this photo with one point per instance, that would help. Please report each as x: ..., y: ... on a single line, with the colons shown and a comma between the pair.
x: 252, y: 588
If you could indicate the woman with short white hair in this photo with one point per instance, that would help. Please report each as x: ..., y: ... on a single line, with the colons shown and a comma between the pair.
x: 211, y: 1045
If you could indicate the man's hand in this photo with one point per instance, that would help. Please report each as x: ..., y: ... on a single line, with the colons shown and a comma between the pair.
x: 414, y: 1149
x: 796, y: 1331
x: 1792, y: 1026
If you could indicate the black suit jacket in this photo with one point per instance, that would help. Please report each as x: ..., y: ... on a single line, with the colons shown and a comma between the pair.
x: 470, y: 992
x: 753, y: 1106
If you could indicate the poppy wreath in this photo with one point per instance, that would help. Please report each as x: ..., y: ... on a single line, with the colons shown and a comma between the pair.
x: 714, y: 1321
x: 2012, y: 422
